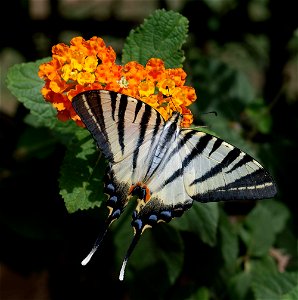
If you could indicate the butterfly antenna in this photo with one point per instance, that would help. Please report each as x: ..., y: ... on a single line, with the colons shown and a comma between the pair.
x: 210, y: 112
x: 98, y: 241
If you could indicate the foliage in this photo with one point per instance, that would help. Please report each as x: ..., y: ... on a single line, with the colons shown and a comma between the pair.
x: 208, y: 253
x: 162, y: 36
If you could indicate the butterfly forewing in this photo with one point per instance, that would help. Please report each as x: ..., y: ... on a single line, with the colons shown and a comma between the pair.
x: 121, y: 125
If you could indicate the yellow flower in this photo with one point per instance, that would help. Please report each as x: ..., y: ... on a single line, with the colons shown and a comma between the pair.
x: 66, y: 71
x: 90, y: 64
x: 84, y: 78
x: 166, y: 87
x: 59, y: 106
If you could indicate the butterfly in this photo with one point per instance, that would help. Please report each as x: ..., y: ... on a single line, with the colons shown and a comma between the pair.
x: 164, y: 166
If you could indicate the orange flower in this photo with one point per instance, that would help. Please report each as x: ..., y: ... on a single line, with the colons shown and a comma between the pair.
x: 155, y: 69
x: 177, y: 75
x: 146, y: 88
x: 90, y: 64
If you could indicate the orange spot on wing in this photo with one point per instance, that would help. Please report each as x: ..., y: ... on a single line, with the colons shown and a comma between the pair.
x: 142, y: 186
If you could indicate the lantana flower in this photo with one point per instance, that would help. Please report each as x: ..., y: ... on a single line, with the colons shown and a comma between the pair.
x: 90, y: 64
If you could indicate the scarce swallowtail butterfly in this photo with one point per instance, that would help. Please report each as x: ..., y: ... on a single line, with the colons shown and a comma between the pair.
x: 165, y: 166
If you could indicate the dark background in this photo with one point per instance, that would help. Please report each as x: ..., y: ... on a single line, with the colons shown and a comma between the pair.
x: 40, y: 241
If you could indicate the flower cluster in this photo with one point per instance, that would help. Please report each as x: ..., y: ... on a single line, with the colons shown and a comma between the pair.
x: 90, y: 64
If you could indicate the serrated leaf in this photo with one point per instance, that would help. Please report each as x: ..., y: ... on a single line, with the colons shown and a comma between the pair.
x: 24, y: 83
x: 161, y: 36
x: 81, y: 180
x: 201, y: 219
x: 276, y: 286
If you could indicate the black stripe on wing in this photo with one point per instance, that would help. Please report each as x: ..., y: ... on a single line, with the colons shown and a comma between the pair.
x: 121, y: 121
x: 243, y: 161
x: 255, y: 183
x: 254, y: 186
x: 228, y: 159
x: 143, y: 128
x: 216, y: 145
x: 167, y: 137
x: 88, y: 105
x: 197, y: 150
x: 138, y: 108
x: 113, y: 103
x: 170, y: 130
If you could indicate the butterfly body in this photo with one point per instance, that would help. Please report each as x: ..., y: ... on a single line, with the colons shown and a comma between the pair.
x: 165, y: 166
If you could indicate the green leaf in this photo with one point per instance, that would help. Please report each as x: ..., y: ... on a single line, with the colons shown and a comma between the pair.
x: 82, y: 172
x: 292, y: 295
x: 261, y: 226
x: 228, y: 240
x: 161, y: 36
x: 239, y: 285
x: 279, y: 212
x: 191, y: 291
x: 201, y: 219
x: 258, y: 234
x: 278, y: 286
x: 259, y: 115
x: 205, y: 130
x: 24, y: 83
x: 265, y: 264
x: 212, y: 77
x: 228, y: 131
x: 201, y: 293
x: 35, y: 142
